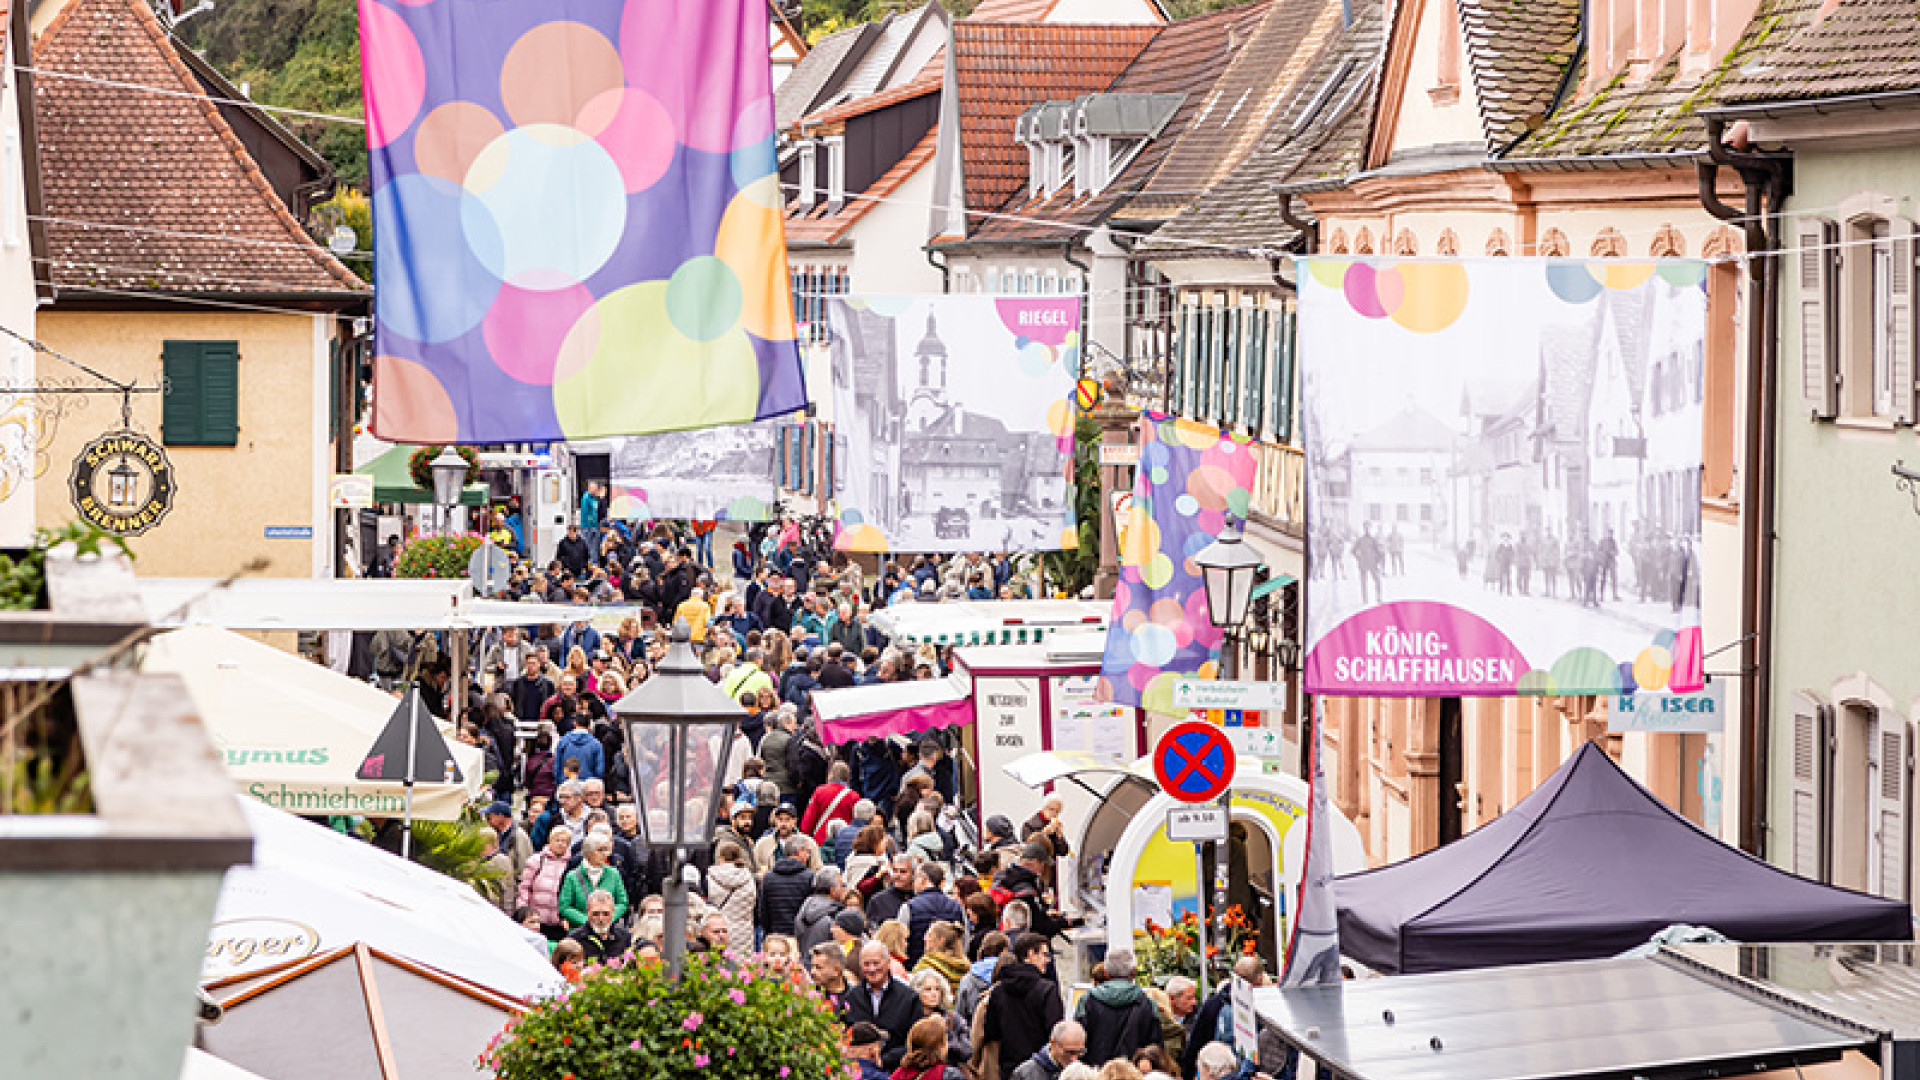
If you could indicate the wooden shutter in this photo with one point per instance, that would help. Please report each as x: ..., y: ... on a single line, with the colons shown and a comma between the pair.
x: 1887, y: 875
x: 1283, y: 374
x: 1233, y: 363
x: 1818, y: 260
x: 1258, y: 335
x: 201, y: 405
x: 1900, y: 316
x: 1808, y: 788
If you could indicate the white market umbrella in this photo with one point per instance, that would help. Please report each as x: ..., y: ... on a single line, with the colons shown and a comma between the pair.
x: 311, y: 890
x: 293, y: 733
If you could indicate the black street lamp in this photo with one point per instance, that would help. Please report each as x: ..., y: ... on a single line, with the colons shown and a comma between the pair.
x: 1228, y: 567
x: 679, y: 731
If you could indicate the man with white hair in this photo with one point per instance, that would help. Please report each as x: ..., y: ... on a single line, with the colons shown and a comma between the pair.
x: 1118, y: 1016
x: 568, y: 808
x: 883, y: 1001
x: 601, y: 938
x: 1066, y: 1045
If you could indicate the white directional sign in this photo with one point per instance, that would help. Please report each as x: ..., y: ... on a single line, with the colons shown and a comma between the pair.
x: 1215, y: 694
x: 1197, y: 824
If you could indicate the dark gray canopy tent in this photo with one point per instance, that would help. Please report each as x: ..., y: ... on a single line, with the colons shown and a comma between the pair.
x: 1588, y: 866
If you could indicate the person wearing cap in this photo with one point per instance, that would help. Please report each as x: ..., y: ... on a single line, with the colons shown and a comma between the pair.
x: 849, y: 930
x: 739, y: 827
x: 513, y: 840
x: 1023, y: 881
x: 786, y: 822
x: 999, y: 834
x: 864, y: 1042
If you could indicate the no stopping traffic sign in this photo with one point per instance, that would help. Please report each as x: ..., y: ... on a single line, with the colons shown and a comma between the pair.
x: 1193, y: 761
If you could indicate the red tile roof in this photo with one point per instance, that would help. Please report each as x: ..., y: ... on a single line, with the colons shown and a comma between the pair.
x: 927, y: 82
x: 1003, y: 68
x: 141, y: 170
x: 820, y: 227
x: 1186, y: 57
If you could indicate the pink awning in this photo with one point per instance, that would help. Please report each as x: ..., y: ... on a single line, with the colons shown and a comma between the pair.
x: 884, y: 709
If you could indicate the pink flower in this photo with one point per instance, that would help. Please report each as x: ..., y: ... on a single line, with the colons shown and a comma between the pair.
x: 693, y: 1021
x: 634, y: 1045
x: 784, y: 1071
x: 700, y: 1061
x: 738, y: 997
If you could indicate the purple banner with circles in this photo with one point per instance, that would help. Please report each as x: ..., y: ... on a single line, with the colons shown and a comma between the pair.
x: 577, y: 216
x: 1191, y: 481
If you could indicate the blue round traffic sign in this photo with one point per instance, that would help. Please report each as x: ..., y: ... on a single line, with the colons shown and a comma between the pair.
x: 1193, y: 761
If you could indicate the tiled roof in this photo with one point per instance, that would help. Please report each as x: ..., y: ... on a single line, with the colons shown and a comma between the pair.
x: 1012, y: 11
x: 1242, y: 211
x: 1860, y: 47
x: 1517, y: 54
x: 1261, y: 49
x: 1660, y: 114
x: 800, y: 91
x: 1186, y: 57
x: 820, y: 227
x: 1002, y: 68
x: 155, y: 167
x: 927, y: 82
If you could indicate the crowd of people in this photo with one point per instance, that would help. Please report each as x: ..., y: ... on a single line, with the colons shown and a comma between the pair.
x: 849, y: 866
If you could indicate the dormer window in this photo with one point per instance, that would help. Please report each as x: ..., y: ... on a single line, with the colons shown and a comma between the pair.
x: 809, y: 176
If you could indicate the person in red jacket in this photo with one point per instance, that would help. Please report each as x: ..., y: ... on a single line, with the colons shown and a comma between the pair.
x: 831, y: 805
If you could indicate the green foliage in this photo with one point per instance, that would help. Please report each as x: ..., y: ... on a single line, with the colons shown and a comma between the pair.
x: 40, y: 787
x: 1186, y: 9
x: 22, y: 579
x: 354, y: 210
x: 443, y: 557
x: 420, y: 465
x: 295, y: 54
x: 629, y: 1021
x: 457, y: 849
x: 1074, y: 570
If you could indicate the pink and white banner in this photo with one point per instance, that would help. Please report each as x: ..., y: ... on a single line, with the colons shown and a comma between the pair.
x: 1504, y: 478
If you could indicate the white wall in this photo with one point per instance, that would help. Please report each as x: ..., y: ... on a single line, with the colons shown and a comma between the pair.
x: 18, y: 365
x: 888, y: 242
x: 1115, y: 12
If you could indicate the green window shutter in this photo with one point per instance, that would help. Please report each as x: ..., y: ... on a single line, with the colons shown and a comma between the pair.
x: 201, y: 406
x: 1283, y: 375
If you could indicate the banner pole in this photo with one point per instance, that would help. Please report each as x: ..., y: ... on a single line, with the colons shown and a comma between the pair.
x: 1200, y: 900
x: 413, y: 738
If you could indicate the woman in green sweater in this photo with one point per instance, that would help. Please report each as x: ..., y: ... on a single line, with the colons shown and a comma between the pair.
x: 595, y: 872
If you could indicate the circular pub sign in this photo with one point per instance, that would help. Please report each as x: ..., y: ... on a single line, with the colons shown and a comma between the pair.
x: 122, y: 483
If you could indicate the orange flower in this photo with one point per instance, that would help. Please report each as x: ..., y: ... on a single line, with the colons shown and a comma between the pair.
x: 1249, y: 947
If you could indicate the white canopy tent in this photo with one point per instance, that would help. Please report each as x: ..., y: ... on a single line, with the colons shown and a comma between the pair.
x: 988, y: 622
x: 348, y: 604
x: 311, y: 890
x: 293, y: 733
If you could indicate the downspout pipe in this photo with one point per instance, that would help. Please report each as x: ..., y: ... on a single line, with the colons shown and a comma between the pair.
x: 939, y: 262
x: 1308, y: 229
x: 1086, y: 292
x: 1767, y: 178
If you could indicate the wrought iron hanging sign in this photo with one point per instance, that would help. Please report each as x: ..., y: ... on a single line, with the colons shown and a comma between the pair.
x: 122, y: 483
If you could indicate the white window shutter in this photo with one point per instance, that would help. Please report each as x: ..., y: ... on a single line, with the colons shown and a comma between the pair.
x: 1888, y: 869
x: 1900, y: 340
x: 1817, y: 260
x: 1807, y: 784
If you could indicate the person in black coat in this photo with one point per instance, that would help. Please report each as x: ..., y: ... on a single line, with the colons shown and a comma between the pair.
x: 928, y: 906
x: 572, y: 552
x: 785, y: 888
x: 885, y: 1002
x: 1024, y: 1003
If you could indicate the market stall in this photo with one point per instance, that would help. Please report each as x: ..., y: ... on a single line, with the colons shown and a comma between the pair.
x: 987, y: 622
x: 293, y: 734
x: 1124, y: 870
x: 1588, y: 865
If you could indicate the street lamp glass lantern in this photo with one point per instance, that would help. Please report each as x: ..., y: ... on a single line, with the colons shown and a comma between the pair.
x: 1228, y: 567
x: 449, y: 476
x: 680, y: 732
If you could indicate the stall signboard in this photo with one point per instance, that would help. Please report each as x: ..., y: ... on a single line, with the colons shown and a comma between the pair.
x: 1197, y: 824
x: 1084, y: 724
x: 1007, y: 723
x: 1246, y: 1027
x: 1702, y: 712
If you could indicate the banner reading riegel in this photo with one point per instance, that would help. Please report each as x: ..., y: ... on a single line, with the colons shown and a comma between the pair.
x: 953, y: 421
x: 1504, y: 461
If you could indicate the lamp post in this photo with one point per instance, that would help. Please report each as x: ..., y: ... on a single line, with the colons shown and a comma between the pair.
x: 449, y: 478
x: 1228, y: 567
x: 679, y: 730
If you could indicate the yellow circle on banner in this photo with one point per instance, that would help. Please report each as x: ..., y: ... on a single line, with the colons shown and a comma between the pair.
x: 1623, y: 277
x: 1652, y: 668
x: 1435, y: 295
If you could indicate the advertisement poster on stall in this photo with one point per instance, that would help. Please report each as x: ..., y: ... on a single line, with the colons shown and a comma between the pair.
x: 1520, y: 512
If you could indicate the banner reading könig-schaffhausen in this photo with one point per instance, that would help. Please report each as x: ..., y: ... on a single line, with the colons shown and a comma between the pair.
x: 1504, y: 475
